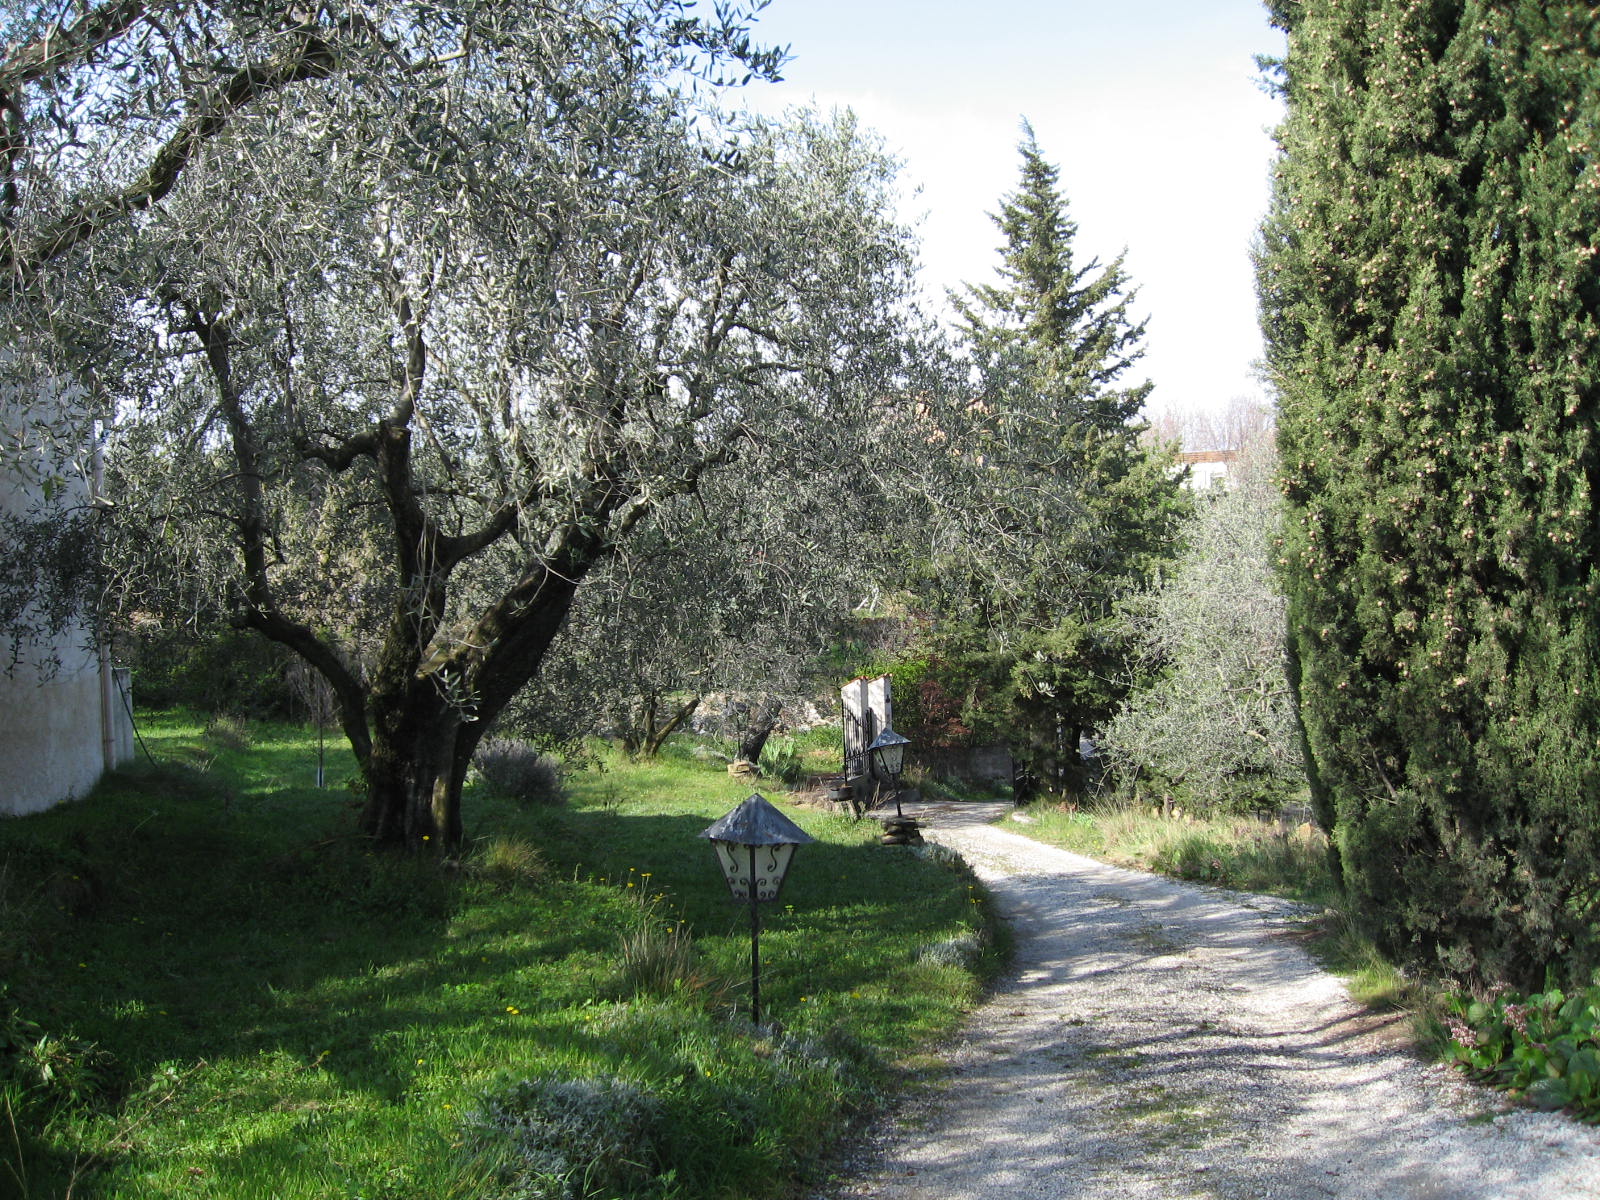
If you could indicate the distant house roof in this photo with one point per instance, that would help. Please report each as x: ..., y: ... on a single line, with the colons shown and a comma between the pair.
x: 1209, y: 456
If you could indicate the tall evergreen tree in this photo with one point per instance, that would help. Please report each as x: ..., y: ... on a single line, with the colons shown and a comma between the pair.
x: 1085, y: 510
x: 1430, y: 278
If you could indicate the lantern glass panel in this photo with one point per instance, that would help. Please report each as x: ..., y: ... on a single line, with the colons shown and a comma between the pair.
x: 770, y: 864
x: 889, y: 752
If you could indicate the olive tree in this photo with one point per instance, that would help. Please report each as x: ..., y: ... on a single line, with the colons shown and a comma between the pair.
x: 473, y: 322
x: 737, y: 589
x: 1215, y: 714
x: 103, y: 108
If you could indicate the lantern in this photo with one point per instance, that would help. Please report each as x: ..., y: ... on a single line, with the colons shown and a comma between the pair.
x: 755, y: 845
x: 888, y: 756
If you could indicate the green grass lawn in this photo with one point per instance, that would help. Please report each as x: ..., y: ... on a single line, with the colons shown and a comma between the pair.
x: 209, y: 987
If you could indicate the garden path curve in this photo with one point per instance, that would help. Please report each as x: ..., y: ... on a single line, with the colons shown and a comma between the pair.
x: 1166, y: 1041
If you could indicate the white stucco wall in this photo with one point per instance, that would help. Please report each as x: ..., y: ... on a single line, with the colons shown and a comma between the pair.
x: 62, y: 722
x: 50, y: 747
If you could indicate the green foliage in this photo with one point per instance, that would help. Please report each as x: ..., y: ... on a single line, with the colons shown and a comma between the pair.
x: 1545, y: 1047
x: 1430, y: 291
x: 931, y: 684
x: 214, y: 670
x: 1022, y: 640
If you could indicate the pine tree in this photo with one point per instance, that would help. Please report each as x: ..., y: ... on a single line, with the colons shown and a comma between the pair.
x: 1430, y: 278
x: 1050, y: 343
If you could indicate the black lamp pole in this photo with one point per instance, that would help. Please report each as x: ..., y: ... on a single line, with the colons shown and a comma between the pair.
x: 755, y: 947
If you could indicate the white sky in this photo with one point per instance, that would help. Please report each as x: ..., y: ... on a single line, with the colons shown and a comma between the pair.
x: 1151, y: 111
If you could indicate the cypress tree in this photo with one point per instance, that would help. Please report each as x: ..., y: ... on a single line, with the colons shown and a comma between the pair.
x: 1429, y: 279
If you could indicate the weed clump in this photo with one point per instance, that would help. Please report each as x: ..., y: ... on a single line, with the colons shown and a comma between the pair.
x: 45, y: 1071
x: 782, y: 760
x: 515, y: 769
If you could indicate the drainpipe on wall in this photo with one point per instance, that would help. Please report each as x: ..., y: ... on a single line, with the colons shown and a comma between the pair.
x: 108, y: 728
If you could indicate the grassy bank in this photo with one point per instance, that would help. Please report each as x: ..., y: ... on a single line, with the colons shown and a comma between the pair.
x: 211, y: 989
x: 1248, y: 855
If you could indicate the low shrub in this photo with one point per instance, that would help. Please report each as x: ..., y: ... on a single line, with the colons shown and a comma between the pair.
x: 1545, y: 1048
x: 570, y: 1139
x: 517, y: 770
x: 964, y: 950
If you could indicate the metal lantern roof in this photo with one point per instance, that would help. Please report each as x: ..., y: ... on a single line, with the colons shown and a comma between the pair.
x: 757, y: 823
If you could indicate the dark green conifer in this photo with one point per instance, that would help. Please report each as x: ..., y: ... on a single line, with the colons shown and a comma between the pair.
x: 1430, y: 280
x: 1032, y: 616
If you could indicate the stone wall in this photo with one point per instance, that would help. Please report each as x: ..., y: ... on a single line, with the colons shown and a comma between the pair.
x: 979, y: 764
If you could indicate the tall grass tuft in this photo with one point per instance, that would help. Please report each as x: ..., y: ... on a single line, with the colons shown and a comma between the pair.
x: 508, y: 862
x: 661, y: 960
x: 1236, y: 852
x: 228, y: 732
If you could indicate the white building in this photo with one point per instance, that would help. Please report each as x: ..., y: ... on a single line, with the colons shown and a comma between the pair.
x: 67, y: 715
x: 1208, y: 468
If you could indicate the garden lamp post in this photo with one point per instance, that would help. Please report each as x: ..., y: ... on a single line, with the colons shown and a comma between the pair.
x: 888, y: 755
x: 754, y: 844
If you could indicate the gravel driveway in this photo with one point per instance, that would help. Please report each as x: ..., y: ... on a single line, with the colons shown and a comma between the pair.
x: 1157, y: 1039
